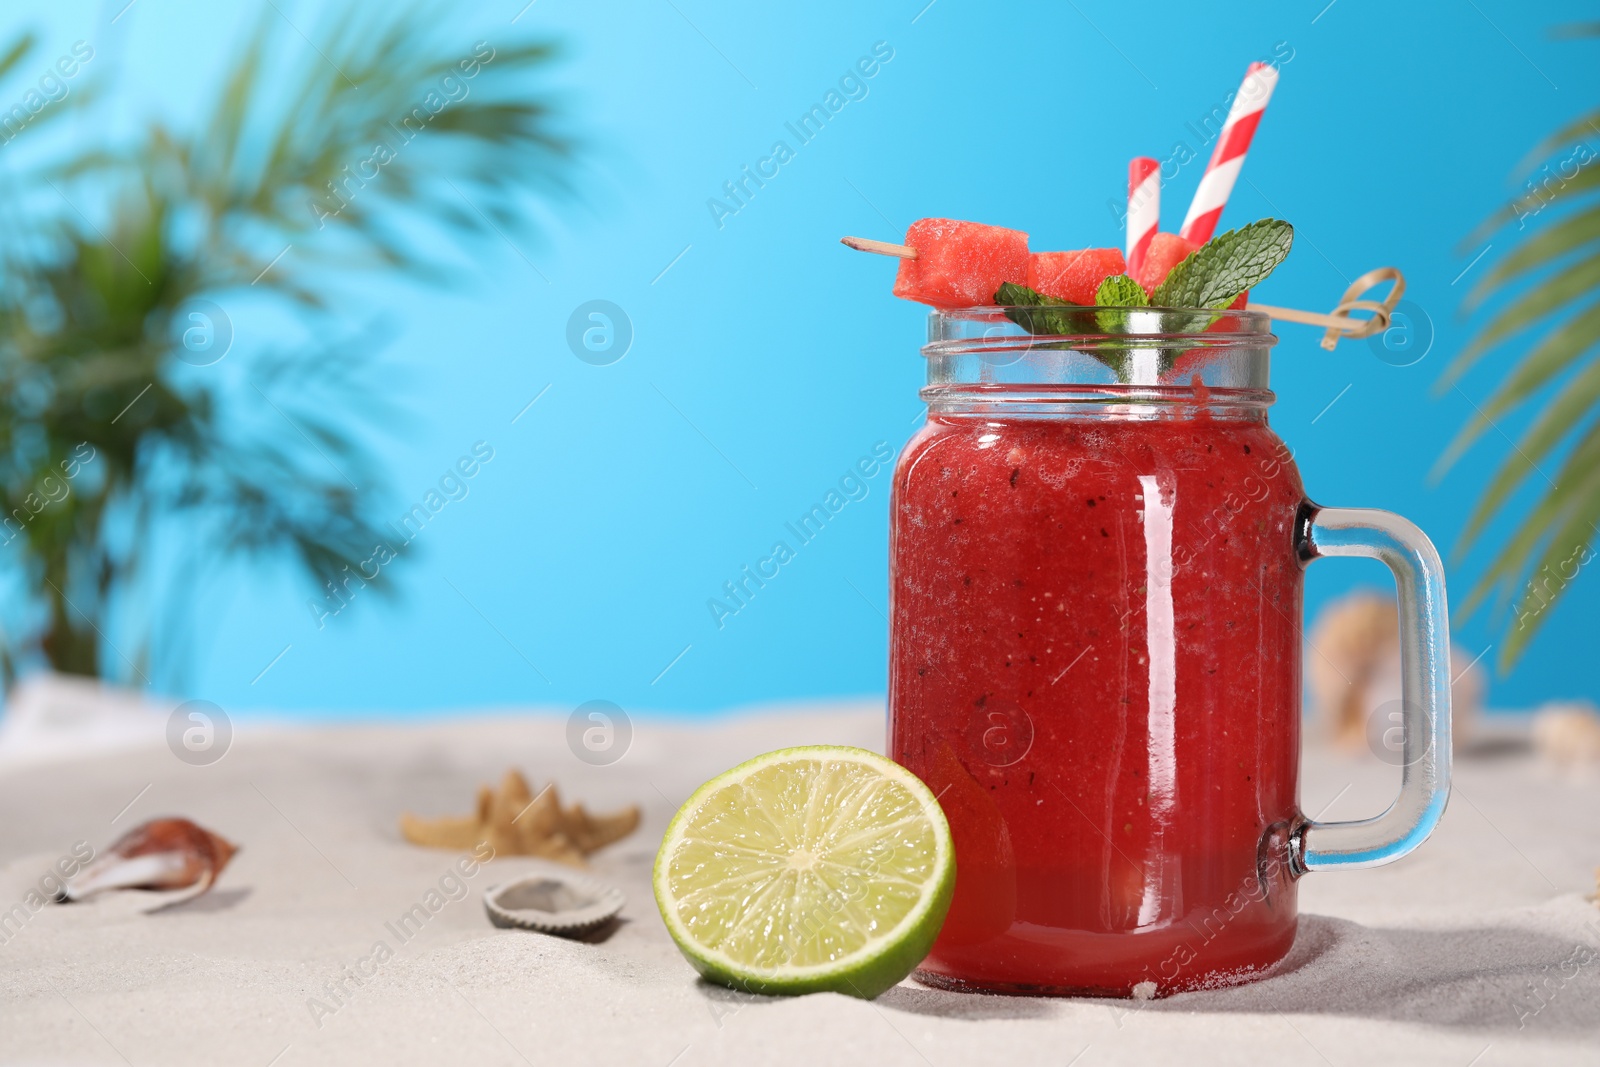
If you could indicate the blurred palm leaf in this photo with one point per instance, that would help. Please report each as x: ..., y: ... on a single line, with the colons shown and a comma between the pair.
x: 1557, y: 271
x: 312, y: 164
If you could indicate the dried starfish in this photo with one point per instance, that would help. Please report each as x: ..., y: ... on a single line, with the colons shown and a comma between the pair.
x: 161, y: 854
x: 515, y: 822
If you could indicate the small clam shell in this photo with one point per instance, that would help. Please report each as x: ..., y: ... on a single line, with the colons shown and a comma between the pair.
x: 553, y: 902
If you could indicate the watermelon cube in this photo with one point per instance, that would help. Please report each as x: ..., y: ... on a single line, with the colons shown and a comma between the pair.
x: 1074, y: 276
x: 960, y: 264
x: 1166, y: 251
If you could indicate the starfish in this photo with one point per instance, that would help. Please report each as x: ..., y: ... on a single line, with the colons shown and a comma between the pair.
x: 515, y: 822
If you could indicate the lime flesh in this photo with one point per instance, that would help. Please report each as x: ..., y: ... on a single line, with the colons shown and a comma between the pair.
x: 807, y: 869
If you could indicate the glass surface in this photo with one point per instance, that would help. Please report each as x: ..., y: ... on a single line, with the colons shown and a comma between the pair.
x: 1096, y: 572
x: 1095, y: 657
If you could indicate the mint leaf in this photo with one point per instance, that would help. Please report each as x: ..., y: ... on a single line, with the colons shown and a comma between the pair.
x: 1010, y: 293
x: 1033, y: 310
x: 1115, y: 294
x: 1120, y: 291
x: 1214, y: 275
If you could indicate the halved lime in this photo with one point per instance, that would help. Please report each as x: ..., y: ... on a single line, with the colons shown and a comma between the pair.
x: 807, y: 869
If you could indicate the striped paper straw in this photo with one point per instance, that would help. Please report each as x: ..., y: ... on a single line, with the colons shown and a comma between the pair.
x: 1232, y: 144
x: 1144, y: 208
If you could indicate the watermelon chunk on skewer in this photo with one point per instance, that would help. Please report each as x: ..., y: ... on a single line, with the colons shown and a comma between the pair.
x: 1074, y: 276
x: 1167, y: 250
x: 960, y: 264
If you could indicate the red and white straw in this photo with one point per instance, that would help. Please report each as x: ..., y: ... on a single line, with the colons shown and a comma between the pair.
x: 1144, y: 208
x: 1226, y: 159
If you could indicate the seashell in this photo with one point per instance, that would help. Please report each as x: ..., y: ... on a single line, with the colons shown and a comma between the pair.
x: 1567, y: 735
x: 515, y: 822
x: 553, y: 902
x: 1352, y: 668
x: 161, y: 854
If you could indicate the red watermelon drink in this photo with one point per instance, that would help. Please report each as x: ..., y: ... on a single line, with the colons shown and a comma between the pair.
x: 1095, y: 665
x: 1096, y: 571
x: 1097, y: 550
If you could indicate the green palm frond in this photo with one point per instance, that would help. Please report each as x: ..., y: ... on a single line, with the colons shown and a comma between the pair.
x: 16, y: 52
x: 280, y: 191
x: 1556, y: 270
x: 1577, y: 29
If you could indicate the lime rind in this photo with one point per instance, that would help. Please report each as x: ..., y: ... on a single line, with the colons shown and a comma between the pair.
x: 834, y: 946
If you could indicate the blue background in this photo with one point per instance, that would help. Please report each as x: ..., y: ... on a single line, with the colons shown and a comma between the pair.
x: 766, y: 358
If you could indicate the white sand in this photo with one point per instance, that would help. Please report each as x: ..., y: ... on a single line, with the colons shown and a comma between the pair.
x: 1429, y: 961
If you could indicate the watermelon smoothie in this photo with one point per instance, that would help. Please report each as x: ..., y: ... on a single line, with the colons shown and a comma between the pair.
x: 1095, y: 663
x: 1096, y: 562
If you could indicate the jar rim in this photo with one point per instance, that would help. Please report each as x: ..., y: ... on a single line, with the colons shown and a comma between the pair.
x: 991, y: 355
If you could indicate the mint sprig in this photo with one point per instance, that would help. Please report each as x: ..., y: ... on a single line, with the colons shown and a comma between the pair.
x: 1215, y: 274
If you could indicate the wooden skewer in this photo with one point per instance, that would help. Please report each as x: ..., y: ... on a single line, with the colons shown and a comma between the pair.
x: 1346, y: 325
x: 1338, y: 322
x: 879, y: 248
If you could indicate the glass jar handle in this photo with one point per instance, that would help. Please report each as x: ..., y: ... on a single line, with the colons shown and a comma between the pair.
x: 1425, y: 690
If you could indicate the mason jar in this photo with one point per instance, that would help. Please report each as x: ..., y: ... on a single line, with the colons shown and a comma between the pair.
x: 1097, y: 554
